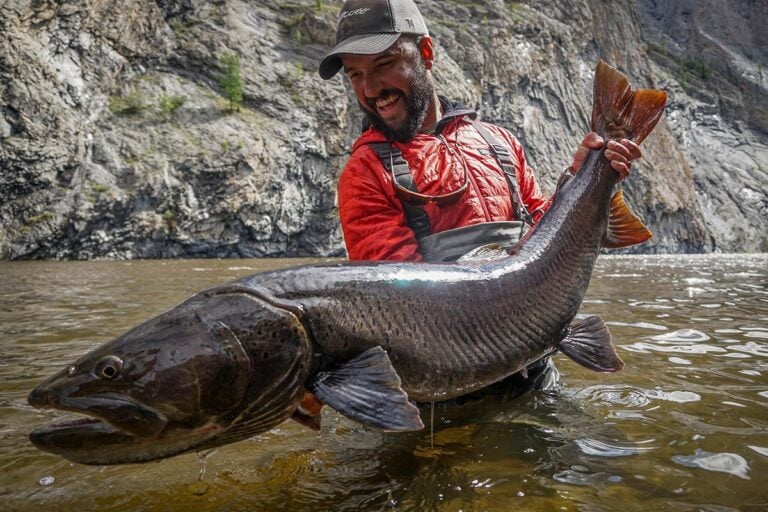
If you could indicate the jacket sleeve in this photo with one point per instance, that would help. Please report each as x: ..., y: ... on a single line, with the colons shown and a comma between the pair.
x: 534, y: 201
x: 372, y: 217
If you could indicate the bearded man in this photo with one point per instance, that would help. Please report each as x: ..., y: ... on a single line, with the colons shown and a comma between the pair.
x: 426, y: 180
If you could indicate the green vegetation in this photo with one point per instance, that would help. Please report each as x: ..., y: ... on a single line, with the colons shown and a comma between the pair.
x: 687, y: 69
x: 701, y: 69
x: 232, y: 81
x: 170, y: 104
x: 517, y: 11
x: 169, y: 219
x: 450, y: 23
x: 183, y: 27
x: 40, y: 217
x: 288, y: 82
x: 320, y: 6
x: 97, y: 188
x: 299, y: 18
x: 34, y: 220
x: 131, y: 104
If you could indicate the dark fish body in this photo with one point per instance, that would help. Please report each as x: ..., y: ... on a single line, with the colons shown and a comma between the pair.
x: 363, y: 338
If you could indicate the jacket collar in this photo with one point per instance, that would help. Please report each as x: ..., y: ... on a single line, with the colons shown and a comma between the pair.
x: 452, y: 110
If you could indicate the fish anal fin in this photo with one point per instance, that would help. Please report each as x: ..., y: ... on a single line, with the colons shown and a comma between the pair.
x: 621, y: 112
x: 308, y: 412
x: 624, y: 227
x: 367, y: 389
x: 588, y: 342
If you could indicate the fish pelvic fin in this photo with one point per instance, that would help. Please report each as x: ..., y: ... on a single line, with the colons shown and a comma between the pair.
x: 624, y: 227
x: 588, y: 342
x: 620, y: 111
x: 367, y: 389
x: 308, y: 412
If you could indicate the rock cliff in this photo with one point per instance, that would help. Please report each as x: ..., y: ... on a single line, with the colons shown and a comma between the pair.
x: 116, y: 140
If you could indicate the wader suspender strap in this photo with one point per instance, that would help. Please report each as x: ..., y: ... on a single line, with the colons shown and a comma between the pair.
x: 504, y: 158
x: 392, y: 159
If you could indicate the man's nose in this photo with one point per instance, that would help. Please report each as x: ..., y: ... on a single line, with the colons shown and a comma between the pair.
x: 371, y: 87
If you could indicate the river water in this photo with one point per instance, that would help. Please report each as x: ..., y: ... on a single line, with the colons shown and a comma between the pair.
x: 683, y: 427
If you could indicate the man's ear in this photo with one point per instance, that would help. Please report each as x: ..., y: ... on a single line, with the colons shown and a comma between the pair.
x: 427, y: 51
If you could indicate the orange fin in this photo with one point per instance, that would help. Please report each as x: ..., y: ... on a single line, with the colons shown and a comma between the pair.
x: 308, y: 412
x: 621, y: 112
x: 624, y: 227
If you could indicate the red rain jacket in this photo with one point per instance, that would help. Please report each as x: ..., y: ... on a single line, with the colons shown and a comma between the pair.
x: 372, y: 217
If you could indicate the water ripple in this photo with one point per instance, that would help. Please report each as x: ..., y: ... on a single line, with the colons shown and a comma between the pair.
x: 645, y: 348
x: 602, y: 449
x: 578, y: 475
x: 682, y: 336
x: 759, y: 449
x: 723, y: 462
x: 635, y: 397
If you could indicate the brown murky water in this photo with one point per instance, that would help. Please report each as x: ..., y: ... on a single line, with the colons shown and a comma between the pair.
x: 684, y: 427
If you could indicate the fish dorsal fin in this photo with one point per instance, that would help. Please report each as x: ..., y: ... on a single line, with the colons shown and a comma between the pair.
x: 367, y: 389
x: 588, y: 342
x: 493, y: 251
x: 624, y: 227
x: 621, y: 112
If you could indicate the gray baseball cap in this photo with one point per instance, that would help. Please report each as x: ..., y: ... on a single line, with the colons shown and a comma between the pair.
x: 368, y: 27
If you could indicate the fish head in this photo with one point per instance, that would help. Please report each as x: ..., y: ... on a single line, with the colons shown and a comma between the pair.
x: 179, y: 382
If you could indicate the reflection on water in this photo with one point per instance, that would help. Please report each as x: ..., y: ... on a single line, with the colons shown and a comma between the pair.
x: 683, y: 427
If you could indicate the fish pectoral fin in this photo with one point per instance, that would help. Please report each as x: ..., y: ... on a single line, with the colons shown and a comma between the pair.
x: 367, y: 389
x: 624, y: 227
x: 588, y: 342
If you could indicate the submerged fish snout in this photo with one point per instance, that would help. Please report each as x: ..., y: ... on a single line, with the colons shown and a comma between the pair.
x: 41, y: 396
x: 44, y: 395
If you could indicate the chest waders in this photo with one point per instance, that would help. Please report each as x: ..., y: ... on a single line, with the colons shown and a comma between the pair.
x: 451, y: 244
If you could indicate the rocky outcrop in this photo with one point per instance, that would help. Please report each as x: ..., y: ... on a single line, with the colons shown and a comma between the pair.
x: 116, y: 140
x: 713, y: 57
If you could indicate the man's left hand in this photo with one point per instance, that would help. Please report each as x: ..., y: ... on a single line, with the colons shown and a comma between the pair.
x: 619, y: 152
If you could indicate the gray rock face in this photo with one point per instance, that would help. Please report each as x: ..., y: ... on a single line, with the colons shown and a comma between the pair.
x: 116, y: 140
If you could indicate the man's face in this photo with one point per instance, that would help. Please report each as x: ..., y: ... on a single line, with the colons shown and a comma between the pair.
x: 393, y: 88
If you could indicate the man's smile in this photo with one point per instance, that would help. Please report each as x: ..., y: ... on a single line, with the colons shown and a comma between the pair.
x: 387, y: 105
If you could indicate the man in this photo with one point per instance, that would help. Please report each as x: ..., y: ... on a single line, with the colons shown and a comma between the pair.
x: 426, y: 181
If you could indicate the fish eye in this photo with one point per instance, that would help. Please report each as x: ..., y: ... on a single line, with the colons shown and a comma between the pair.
x: 109, y: 367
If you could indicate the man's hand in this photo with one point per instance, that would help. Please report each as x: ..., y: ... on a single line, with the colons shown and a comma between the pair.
x: 620, y: 153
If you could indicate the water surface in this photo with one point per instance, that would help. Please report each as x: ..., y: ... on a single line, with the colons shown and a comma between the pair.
x: 683, y: 427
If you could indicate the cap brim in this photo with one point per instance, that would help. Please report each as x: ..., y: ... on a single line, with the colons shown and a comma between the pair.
x: 365, y: 44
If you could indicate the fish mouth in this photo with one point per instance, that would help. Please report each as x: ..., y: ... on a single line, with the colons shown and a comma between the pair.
x: 121, y: 412
x: 75, y: 439
x: 94, y: 441
x: 114, y: 423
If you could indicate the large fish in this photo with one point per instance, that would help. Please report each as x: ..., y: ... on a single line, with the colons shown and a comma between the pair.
x: 365, y: 339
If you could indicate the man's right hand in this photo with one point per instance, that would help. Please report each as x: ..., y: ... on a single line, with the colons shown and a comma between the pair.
x: 620, y: 153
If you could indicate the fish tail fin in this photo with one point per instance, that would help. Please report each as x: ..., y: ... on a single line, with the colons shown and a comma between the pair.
x: 624, y: 227
x: 622, y: 112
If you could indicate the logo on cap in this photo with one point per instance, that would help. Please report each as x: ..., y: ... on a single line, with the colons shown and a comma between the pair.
x: 356, y: 12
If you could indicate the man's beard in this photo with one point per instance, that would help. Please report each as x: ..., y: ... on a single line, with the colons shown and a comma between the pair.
x: 422, y: 92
